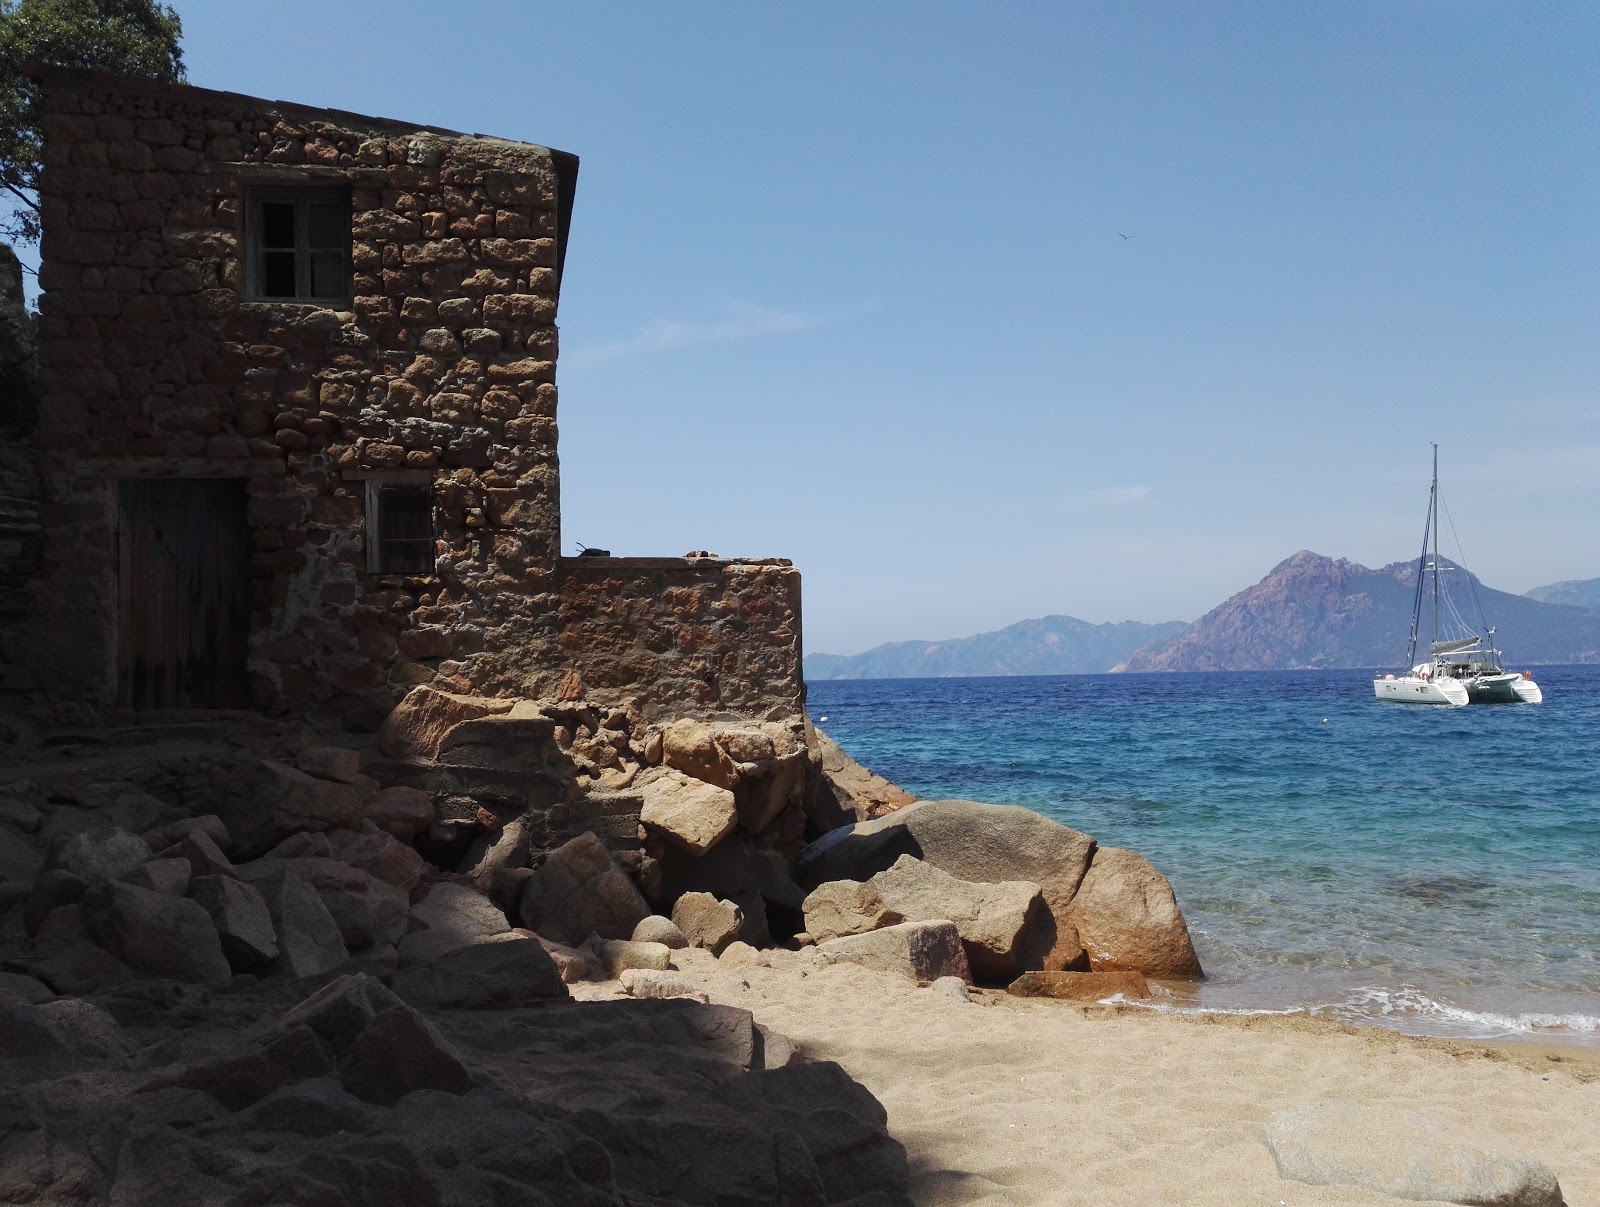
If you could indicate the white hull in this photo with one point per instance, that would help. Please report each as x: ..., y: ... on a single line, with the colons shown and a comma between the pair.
x: 1412, y: 689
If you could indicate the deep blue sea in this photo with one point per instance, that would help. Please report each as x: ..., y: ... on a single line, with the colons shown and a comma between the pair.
x: 1431, y: 869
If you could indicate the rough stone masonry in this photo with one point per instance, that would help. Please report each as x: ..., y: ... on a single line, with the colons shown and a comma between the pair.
x: 298, y: 430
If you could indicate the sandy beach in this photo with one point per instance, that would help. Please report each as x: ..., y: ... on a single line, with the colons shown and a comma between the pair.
x: 1012, y: 1101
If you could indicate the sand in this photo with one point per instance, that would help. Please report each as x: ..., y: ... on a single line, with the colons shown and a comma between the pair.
x: 1012, y: 1101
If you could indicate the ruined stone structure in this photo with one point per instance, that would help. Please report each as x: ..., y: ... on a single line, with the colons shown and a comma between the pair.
x: 298, y: 429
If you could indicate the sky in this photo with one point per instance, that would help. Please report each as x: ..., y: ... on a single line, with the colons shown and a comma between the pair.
x: 990, y: 311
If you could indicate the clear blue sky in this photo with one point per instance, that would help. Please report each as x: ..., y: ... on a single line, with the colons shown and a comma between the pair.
x: 847, y: 281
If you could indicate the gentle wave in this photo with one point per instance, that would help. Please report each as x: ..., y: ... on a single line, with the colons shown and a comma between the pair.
x: 1411, y: 1004
x: 1406, y: 1009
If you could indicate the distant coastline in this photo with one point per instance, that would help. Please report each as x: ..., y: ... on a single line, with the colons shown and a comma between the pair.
x: 1310, y: 612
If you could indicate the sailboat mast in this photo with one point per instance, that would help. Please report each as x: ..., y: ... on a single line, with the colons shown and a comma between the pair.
x: 1433, y: 522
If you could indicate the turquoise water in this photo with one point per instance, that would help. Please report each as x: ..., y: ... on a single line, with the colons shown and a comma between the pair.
x: 1435, y: 870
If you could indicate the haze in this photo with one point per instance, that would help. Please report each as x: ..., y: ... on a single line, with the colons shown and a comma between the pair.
x: 849, y: 283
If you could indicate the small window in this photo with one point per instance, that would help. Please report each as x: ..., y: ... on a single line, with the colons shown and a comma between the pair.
x: 399, y: 527
x: 299, y: 245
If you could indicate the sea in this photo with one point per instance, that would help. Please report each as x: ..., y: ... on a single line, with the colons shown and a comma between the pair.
x: 1432, y: 870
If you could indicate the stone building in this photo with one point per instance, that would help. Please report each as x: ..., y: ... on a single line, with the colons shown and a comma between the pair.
x: 298, y: 442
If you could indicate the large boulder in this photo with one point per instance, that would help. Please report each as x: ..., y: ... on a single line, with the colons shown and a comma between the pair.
x: 847, y: 791
x: 263, y: 802
x: 579, y: 891
x: 1128, y: 919
x: 923, y: 951
x: 402, y: 811
x: 420, y: 722
x: 1403, y: 1155
x: 690, y: 812
x: 99, y: 854
x: 995, y: 843
x: 707, y: 922
x: 380, y: 855
x: 1005, y: 927
x: 763, y: 764
x: 158, y: 934
x: 242, y: 920
x: 309, y: 942
x: 365, y: 909
x: 484, y: 976
x: 451, y: 916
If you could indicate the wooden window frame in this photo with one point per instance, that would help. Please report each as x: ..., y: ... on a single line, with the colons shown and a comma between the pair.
x: 255, y: 226
x: 378, y: 544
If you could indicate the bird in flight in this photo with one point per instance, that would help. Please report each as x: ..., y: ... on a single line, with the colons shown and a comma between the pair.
x: 1125, y: 236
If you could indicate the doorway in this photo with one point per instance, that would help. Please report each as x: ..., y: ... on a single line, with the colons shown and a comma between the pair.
x: 184, y: 582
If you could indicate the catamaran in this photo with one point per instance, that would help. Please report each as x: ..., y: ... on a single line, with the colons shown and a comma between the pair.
x: 1463, y: 667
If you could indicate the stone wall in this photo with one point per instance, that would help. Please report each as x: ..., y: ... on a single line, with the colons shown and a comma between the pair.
x: 712, y: 637
x: 155, y: 363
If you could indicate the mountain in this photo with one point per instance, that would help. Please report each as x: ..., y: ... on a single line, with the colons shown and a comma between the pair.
x: 1051, y: 645
x: 1315, y: 611
x: 1575, y: 592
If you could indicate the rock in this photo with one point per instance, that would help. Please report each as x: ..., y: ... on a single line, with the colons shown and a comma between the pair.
x: 401, y: 811
x: 690, y: 747
x: 923, y: 951
x: 740, y: 954
x: 420, y: 721
x: 157, y: 934
x: 34, y: 992
x: 242, y: 920
x: 82, y: 968
x: 380, y: 855
x: 693, y: 814
x: 656, y: 929
x: 779, y: 1051
x: 365, y: 909
x: 96, y: 855
x: 694, y: 959
x: 457, y: 909
x: 619, y: 955
x: 846, y: 907
x: 1128, y: 919
x: 572, y: 964
x: 952, y: 987
x: 303, y: 846
x: 284, y: 1057
x: 994, y: 843
x: 173, y: 833
x: 19, y: 806
x: 88, y: 1029
x: 50, y: 891
x: 707, y: 922
x: 20, y: 858
x: 841, y: 1126
x: 649, y: 983
x: 262, y: 802
x: 484, y: 976
x: 37, y: 1045
x: 402, y: 1052
x: 1402, y: 1155
x: 309, y: 942
x: 580, y: 891
x: 1080, y: 986
x: 493, y: 853
x: 850, y: 791
x: 170, y: 876
x: 1005, y: 927
x: 204, y: 856
x: 330, y: 763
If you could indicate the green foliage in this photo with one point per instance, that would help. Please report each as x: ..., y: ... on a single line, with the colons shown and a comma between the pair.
x: 129, y: 37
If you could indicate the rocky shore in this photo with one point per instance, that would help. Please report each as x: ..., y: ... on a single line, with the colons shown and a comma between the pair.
x: 537, y: 952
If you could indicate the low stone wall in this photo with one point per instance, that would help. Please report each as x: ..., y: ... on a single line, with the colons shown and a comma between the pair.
x: 709, y: 637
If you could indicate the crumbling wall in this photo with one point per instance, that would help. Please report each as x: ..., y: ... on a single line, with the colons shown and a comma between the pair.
x: 156, y: 364
x: 19, y: 477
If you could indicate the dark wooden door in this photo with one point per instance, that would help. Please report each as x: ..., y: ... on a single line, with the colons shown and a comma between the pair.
x: 185, y: 588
